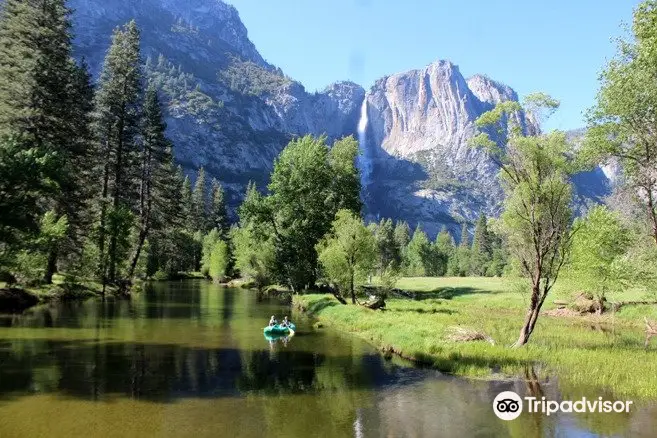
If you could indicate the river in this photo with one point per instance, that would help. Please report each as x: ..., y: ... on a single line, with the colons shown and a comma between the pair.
x: 190, y: 359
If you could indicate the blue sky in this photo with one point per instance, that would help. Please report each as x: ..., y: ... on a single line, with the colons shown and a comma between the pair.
x: 556, y: 46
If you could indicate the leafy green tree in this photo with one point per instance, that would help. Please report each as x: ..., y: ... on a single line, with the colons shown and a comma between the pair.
x: 300, y: 186
x: 298, y: 212
x: 622, y: 123
x: 535, y: 170
x: 214, y: 262
x: 598, y: 249
x: 25, y: 177
x: 32, y: 260
x: 346, y: 178
x: 348, y: 253
x: 209, y: 241
x: 254, y: 240
x: 445, y: 249
x: 116, y: 126
x: 418, y: 254
x: 254, y: 255
x: 481, y: 251
x: 219, y: 261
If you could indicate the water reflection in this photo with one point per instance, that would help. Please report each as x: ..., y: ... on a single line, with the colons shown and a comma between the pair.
x: 190, y: 359
x: 114, y: 359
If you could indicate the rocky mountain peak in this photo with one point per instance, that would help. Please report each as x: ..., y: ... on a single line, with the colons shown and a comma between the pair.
x: 218, y: 18
x: 490, y: 91
x: 420, y: 109
x: 207, y: 30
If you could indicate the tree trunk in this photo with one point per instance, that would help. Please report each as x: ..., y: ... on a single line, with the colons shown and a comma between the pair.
x: 118, y: 182
x: 51, y: 266
x: 652, y: 214
x: 339, y: 298
x: 135, y: 258
x: 530, y: 317
x: 352, y: 290
x: 112, y: 258
x: 103, y: 219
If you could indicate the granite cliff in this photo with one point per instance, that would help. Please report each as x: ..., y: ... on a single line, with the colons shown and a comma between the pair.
x: 231, y: 111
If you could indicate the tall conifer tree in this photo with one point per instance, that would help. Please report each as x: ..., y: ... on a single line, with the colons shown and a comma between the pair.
x: 218, y: 212
x: 117, y: 127
x: 200, y: 203
x: 481, y: 251
x: 45, y: 99
x: 157, y: 174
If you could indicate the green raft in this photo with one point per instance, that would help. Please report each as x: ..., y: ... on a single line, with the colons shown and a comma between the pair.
x: 279, y: 330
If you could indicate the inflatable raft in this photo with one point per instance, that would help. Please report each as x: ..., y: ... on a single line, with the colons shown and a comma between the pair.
x: 279, y: 330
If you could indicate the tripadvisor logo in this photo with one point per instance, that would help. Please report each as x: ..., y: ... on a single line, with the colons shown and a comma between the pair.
x: 508, y: 405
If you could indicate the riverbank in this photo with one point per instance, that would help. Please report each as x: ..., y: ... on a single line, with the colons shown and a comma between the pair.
x: 16, y: 299
x: 604, y: 352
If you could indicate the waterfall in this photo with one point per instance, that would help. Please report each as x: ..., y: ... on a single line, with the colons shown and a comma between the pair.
x: 364, y: 158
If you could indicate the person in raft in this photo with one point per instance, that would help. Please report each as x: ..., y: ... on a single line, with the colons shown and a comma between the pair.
x: 286, y: 322
x: 272, y: 321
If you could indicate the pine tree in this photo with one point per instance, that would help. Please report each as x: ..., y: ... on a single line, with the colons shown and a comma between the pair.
x: 77, y: 183
x: 35, y: 47
x: 402, y: 237
x: 481, y: 251
x: 199, y: 217
x: 463, y: 253
x: 218, y: 212
x: 186, y: 201
x: 157, y: 174
x: 117, y: 126
x: 46, y: 99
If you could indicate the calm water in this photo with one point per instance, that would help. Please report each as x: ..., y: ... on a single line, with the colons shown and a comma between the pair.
x: 189, y: 359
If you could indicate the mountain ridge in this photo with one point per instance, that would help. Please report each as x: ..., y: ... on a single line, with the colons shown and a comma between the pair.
x: 231, y: 111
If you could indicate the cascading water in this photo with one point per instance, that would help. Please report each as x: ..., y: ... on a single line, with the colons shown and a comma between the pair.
x: 364, y: 158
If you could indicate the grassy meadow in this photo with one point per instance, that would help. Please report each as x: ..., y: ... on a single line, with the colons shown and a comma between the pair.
x: 598, y: 351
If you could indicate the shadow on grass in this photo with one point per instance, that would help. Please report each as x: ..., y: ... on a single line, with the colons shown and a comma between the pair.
x: 447, y: 293
x: 455, y: 362
x: 427, y: 311
x: 319, y: 305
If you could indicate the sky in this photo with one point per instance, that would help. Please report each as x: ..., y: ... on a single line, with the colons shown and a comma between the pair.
x: 556, y: 46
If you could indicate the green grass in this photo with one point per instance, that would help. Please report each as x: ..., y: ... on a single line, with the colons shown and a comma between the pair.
x: 603, y: 352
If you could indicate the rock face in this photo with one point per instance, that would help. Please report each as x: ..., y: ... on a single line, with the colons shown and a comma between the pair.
x: 227, y: 108
x: 425, y: 171
x: 420, y: 125
x: 232, y: 112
